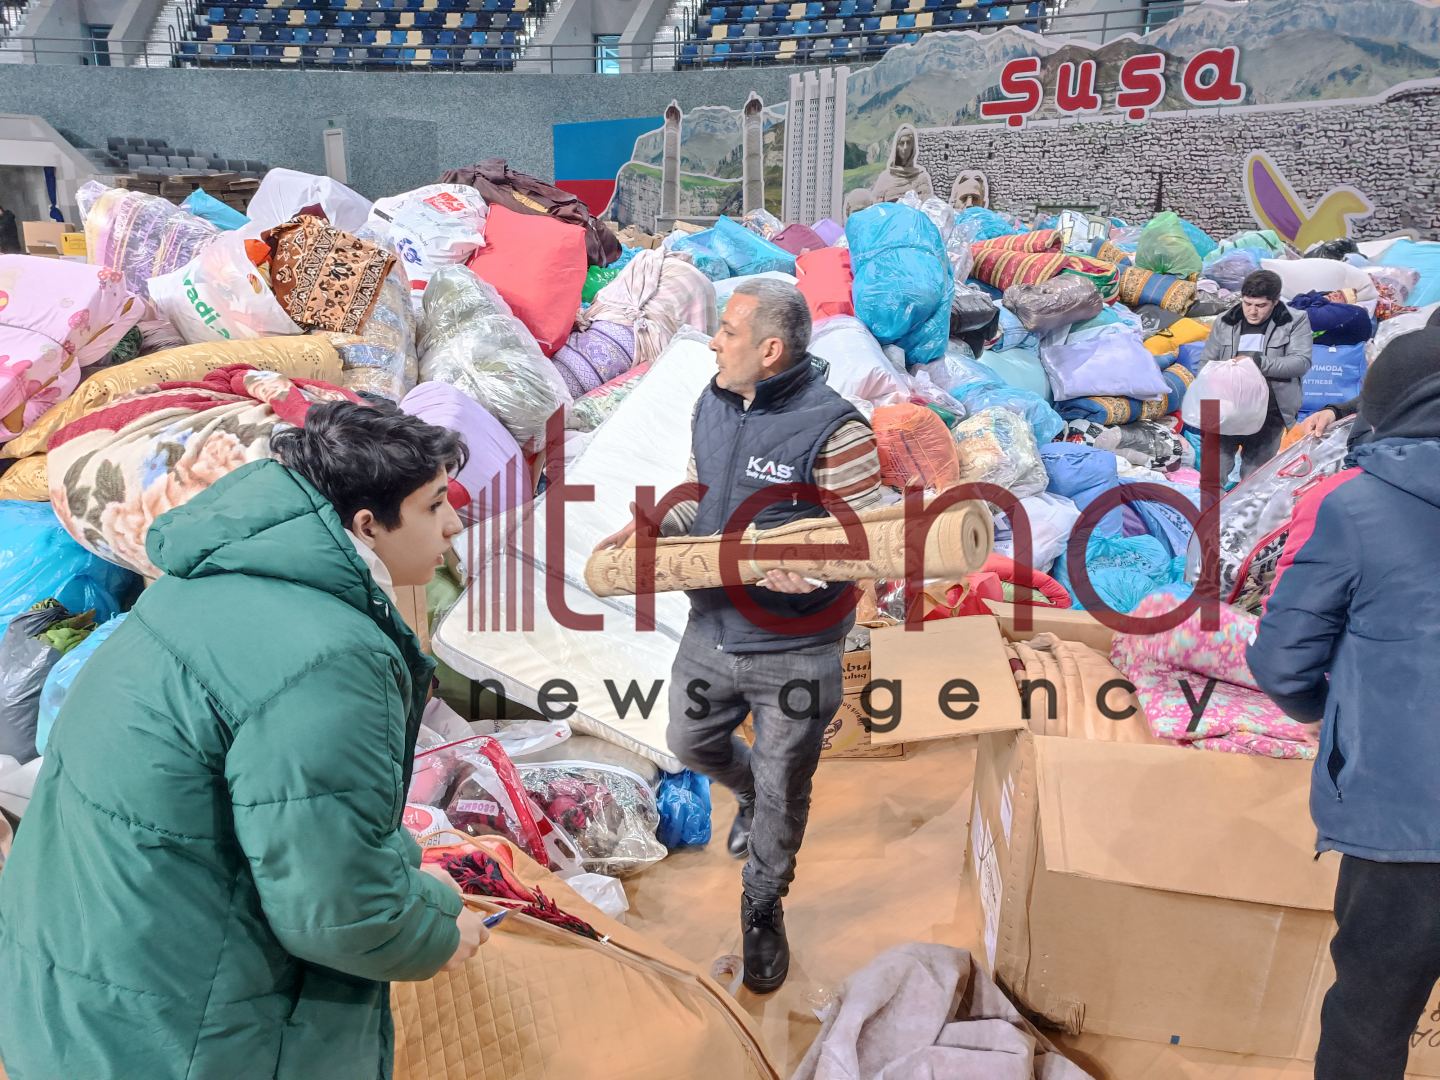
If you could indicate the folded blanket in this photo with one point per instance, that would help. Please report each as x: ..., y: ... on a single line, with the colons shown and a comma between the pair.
x: 117, y: 469
x: 325, y: 279
x: 923, y: 1010
x: 1233, y: 715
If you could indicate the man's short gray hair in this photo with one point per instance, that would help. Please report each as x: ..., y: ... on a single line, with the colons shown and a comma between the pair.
x: 780, y: 312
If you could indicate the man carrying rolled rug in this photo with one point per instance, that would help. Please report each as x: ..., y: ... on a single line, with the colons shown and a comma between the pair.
x: 766, y: 418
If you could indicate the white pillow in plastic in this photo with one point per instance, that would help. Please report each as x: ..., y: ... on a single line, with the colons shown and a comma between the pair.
x: 859, y: 370
x: 430, y: 227
x: 1319, y: 275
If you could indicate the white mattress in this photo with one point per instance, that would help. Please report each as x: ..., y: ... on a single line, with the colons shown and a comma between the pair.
x: 646, y: 441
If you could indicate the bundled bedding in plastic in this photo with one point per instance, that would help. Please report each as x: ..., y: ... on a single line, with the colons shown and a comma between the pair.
x: 57, y: 317
x: 903, y: 286
x: 140, y: 236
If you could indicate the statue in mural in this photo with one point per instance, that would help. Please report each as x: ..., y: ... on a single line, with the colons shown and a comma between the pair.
x: 970, y: 189
x: 902, y: 174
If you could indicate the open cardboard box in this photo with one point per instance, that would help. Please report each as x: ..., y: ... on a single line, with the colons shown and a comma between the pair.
x: 1154, y: 892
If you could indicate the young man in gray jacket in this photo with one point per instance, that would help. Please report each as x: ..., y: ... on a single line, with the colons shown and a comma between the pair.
x: 1280, y: 342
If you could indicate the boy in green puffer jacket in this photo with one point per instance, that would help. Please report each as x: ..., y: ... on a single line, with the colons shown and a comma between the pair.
x: 212, y: 880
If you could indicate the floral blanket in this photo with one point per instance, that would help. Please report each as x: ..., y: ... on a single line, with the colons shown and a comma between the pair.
x: 115, y: 470
x: 56, y: 317
x: 1196, y: 689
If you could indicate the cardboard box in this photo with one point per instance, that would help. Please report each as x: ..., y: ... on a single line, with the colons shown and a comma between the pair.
x: 44, y: 237
x: 848, y: 736
x: 73, y: 244
x: 1156, y: 893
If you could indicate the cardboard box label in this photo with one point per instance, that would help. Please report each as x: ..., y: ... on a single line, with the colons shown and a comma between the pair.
x: 987, y: 875
x: 73, y: 244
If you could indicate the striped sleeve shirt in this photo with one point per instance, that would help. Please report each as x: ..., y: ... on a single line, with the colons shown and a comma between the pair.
x: 848, y: 466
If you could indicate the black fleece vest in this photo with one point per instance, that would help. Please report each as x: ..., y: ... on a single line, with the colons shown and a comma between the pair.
x: 739, y: 452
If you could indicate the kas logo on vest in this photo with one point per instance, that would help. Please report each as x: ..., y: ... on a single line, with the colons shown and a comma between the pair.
x: 768, y: 470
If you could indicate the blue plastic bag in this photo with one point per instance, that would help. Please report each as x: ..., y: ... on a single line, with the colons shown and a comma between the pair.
x: 701, y: 249
x: 684, y: 802
x: 57, y: 683
x: 903, y: 285
x: 1421, y: 255
x: 747, y: 252
x: 981, y: 224
x: 977, y: 388
x: 39, y: 560
x: 204, y: 205
x: 1123, y: 570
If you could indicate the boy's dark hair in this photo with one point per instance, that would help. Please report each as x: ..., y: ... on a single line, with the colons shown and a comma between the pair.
x: 368, y: 457
x: 1262, y: 285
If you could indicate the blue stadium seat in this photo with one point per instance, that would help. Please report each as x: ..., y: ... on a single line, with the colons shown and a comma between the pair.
x: 749, y: 12
x: 814, y: 10
x: 906, y: 21
x: 689, y: 52
x: 734, y: 30
x: 446, y: 37
x: 872, y: 23
x: 508, y: 38
x: 999, y: 14
x: 468, y: 20
x: 215, y: 14
x: 853, y: 26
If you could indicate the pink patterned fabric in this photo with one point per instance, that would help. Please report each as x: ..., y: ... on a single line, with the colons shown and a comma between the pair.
x: 1236, y: 717
x: 56, y: 317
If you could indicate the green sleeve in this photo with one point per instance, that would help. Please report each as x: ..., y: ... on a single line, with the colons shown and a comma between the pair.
x: 315, y: 785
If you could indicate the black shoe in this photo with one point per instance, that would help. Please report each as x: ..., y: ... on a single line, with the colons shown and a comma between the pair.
x: 767, y: 953
x: 739, y: 842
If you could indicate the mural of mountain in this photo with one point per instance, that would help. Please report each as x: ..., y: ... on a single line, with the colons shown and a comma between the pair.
x: 709, y: 140
x: 1291, y: 51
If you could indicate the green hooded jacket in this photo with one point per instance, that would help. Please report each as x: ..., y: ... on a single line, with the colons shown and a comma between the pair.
x: 212, y: 881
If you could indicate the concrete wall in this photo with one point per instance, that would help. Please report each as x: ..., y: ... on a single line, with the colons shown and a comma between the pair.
x: 22, y: 190
x: 402, y: 131
x: 1195, y: 161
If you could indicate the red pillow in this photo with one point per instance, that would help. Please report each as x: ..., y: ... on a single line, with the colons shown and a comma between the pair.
x: 538, y: 265
x: 824, y: 281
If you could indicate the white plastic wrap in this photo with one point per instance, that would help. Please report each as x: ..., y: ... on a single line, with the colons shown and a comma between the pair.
x: 470, y: 339
x: 997, y: 446
x: 283, y: 193
x: 859, y: 370
x: 1052, y: 519
x: 220, y: 295
x: 1399, y: 326
x: 609, y: 812
x: 382, y: 358
x: 1242, y: 392
x: 957, y: 239
x: 430, y: 227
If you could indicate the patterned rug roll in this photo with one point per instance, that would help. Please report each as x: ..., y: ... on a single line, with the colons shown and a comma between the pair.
x: 958, y: 543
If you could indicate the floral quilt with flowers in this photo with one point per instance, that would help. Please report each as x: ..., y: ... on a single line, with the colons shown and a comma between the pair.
x: 56, y: 317
x: 114, y: 471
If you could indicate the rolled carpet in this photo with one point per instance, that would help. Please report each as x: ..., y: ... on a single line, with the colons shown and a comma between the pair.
x: 958, y: 543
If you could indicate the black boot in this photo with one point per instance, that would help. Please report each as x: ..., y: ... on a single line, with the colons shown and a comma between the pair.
x: 767, y: 953
x: 739, y: 842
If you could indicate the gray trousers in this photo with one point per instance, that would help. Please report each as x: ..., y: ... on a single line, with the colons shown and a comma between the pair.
x: 792, y: 696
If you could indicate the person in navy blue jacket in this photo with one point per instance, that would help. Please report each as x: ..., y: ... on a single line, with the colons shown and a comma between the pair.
x: 1351, y: 640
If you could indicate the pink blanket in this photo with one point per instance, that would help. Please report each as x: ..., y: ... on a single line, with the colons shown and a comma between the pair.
x: 1196, y: 688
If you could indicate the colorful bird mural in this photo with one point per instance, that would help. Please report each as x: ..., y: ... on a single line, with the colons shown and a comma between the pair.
x: 1276, y: 206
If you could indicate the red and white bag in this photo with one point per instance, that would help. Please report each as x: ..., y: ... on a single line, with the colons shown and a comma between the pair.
x: 473, y: 787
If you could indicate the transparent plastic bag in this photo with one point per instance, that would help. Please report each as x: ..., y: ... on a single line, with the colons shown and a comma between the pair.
x: 762, y: 223
x: 220, y: 295
x: 1243, y: 394
x: 1399, y: 326
x: 998, y: 447
x: 1061, y: 301
x: 977, y: 388
x: 1261, y: 504
x: 915, y: 448
x: 381, y: 358
x: 62, y: 677
x: 140, y: 236
x: 1229, y: 269
x: 608, y: 811
x: 470, y: 339
x: 475, y: 786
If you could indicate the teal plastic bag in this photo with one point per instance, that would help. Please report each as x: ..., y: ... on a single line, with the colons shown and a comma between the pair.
x: 204, y: 205
x: 39, y: 561
x: 903, y: 285
x: 57, y: 683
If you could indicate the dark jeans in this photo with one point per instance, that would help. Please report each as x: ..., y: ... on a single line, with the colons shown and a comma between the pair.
x: 1387, y: 960
x: 777, y: 773
x: 1258, y: 448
